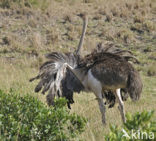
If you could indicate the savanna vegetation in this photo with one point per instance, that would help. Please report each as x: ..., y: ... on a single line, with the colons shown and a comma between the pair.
x: 26, y: 118
x: 31, y: 28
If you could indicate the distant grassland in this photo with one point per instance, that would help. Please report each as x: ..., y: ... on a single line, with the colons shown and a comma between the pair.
x: 29, y: 29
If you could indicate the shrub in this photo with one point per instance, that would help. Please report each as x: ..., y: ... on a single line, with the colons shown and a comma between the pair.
x: 26, y: 118
x: 138, y: 127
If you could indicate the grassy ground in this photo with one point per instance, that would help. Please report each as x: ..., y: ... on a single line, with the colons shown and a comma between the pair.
x: 29, y: 29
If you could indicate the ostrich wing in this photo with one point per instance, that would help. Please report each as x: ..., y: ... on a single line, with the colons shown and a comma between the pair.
x: 56, y: 79
x: 110, y: 48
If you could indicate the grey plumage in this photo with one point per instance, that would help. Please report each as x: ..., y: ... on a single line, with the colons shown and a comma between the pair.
x: 54, y: 79
x: 111, y: 48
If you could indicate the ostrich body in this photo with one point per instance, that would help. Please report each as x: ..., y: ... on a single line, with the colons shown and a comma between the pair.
x: 105, y: 71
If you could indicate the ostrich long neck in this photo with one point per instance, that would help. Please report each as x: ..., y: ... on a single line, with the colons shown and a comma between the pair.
x: 85, y: 22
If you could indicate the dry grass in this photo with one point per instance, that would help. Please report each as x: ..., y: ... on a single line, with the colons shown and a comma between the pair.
x: 29, y: 31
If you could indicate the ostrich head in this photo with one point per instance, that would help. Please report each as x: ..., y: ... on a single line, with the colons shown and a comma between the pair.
x: 83, y: 15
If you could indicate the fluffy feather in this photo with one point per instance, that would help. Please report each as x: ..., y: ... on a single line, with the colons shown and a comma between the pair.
x: 56, y: 79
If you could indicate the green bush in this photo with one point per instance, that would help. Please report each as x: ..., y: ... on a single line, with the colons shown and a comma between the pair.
x: 138, y: 127
x: 25, y: 118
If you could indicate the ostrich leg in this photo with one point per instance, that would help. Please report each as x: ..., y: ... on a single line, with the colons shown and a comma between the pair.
x: 102, y: 108
x: 121, y: 105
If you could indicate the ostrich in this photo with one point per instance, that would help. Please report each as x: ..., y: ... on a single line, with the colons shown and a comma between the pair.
x: 60, y: 75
